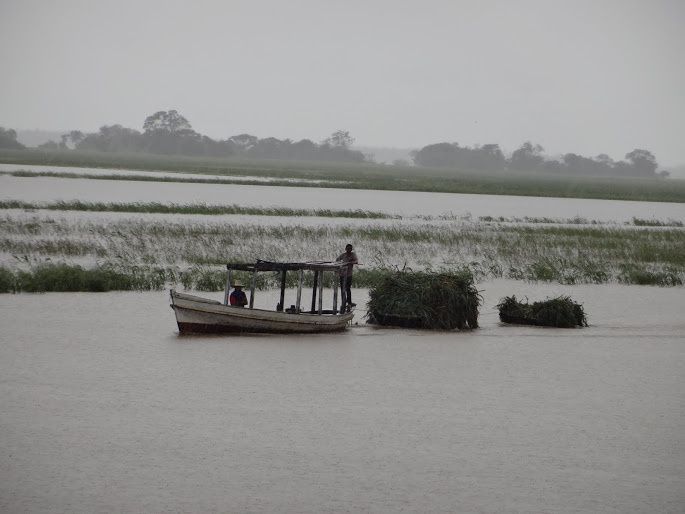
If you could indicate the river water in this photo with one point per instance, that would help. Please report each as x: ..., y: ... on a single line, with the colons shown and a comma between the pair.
x: 405, y: 203
x: 105, y: 408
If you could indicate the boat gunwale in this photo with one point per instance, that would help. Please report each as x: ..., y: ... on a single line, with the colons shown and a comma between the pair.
x: 220, y: 309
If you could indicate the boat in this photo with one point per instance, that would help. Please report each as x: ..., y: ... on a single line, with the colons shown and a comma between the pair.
x: 195, y: 314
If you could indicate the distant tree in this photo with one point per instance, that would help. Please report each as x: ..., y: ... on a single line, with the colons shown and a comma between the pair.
x: 402, y: 163
x: 450, y: 155
x: 490, y: 157
x: 340, y: 138
x: 436, y: 155
x: 8, y: 139
x: 268, y: 148
x: 527, y: 158
x: 168, y: 121
x: 604, y: 159
x: 49, y: 145
x: 112, y: 138
x: 76, y: 136
x: 643, y: 163
x: 244, y: 141
x: 304, y: 150
x: 71, y: 139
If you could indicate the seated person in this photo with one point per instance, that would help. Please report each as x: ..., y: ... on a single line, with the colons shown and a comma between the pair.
x: 238, y: 297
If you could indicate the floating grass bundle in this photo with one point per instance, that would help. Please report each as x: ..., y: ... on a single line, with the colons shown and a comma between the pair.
x: 559, y: 312
x: 441, y: 301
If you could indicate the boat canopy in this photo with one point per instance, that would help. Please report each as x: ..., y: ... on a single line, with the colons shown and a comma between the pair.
x: 261, y: 265
x: 318, y: 267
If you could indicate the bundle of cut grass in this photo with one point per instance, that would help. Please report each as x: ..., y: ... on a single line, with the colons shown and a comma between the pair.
x: 440, y: 301
x: 559, y: 312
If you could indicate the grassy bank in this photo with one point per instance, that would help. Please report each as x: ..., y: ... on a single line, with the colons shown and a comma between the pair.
x: 369, y: 176
x: 181, y: 180
x: 205, y: 209
x: 198, y: 208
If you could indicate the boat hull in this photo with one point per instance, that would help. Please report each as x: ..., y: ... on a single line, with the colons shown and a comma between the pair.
x: 195, y: 314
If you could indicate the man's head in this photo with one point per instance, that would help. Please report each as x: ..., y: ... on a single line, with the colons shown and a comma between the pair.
x: 348, y: 248
x: 237, y: 285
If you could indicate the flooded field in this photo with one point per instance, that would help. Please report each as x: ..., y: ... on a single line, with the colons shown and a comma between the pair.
x: 405, y: 203
x: 105, y: 408
x: 71, y: 170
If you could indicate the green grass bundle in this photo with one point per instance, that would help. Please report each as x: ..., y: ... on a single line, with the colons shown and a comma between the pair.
x: 440, y: 301
x: 559, y: 312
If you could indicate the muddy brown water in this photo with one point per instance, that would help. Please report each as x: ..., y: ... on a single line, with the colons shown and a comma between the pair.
x: 105, y: 408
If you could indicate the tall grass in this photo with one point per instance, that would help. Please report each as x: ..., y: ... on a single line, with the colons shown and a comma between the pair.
x: 641, y: 222
x: 70, y: 278
x: 564, y: 254
x: 196, y: 208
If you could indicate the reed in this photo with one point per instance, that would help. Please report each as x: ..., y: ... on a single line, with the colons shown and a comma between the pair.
x: 196, y: 208
x: 70, y: 278
x: 641, y: 222
x: 561, y: 312
x: 439, y: 301
x: 564, y: 254
x: 7, y: 280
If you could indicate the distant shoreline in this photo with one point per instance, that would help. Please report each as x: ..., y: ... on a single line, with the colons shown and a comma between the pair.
x: 370, y: 176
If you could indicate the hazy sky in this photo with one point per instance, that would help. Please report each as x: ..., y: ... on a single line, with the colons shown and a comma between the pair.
x: 575, y: 76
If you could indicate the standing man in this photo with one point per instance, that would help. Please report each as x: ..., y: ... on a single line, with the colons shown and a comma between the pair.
x: 350, y: 259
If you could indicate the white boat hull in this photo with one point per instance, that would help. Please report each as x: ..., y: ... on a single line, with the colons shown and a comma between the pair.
x: 195, y: 314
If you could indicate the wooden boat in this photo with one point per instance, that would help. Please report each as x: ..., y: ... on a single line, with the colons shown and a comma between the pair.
x: 195, y: 314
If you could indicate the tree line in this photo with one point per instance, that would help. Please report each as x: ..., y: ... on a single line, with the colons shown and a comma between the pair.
x: 530, y: 157
x: 170, y: 133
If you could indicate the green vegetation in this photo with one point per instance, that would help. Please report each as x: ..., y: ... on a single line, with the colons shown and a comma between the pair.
x: 563, y: 254
x: 372, y: 176
x: 559, y: 312
x: 198, y: 208
x: 639, y: 222
x: 180, y: 180
x: 440, y: 301
x: 65, y: 277
x: 533, y: 219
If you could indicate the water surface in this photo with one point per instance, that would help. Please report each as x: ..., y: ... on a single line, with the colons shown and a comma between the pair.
x: 405, y: 203
x: 106, y: 409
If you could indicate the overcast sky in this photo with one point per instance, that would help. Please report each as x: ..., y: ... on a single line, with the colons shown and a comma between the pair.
x: 575, y: 76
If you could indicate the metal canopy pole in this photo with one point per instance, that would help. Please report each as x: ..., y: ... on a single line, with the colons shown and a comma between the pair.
x: 343, y: 294
x: 227, y: 289
x: 316, y: 284
x: 280, y: 304
x: 335, y: 297
x: 321, y: 293
x: 252, y: 288
x: 299, y: 290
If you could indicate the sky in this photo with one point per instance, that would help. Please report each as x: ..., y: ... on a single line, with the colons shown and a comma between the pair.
x: 582, y: 76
